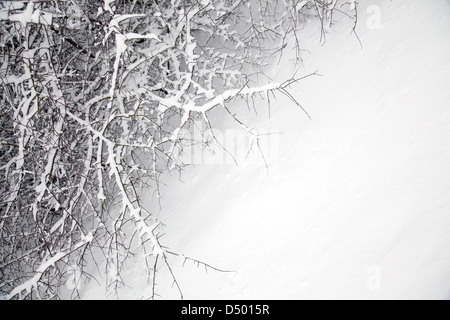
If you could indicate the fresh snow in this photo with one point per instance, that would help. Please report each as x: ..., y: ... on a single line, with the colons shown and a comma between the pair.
x: 29, y: 15
x: 353, y: 204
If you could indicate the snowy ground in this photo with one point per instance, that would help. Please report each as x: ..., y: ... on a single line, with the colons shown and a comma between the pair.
x: 356, y: 201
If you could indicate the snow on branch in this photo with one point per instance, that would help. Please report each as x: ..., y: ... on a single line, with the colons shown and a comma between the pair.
x: 25, y: 288
x: 94, y: 97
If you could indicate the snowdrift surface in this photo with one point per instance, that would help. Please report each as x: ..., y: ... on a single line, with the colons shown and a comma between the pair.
x: 356, y: 201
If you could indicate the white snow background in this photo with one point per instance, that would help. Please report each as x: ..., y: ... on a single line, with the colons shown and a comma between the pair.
x: 355, y: 203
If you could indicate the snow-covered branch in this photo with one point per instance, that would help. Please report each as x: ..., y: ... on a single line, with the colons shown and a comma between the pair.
x: 94, y: 97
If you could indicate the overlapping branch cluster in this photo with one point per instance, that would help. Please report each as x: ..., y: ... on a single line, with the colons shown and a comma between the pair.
x: 94, y: 97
